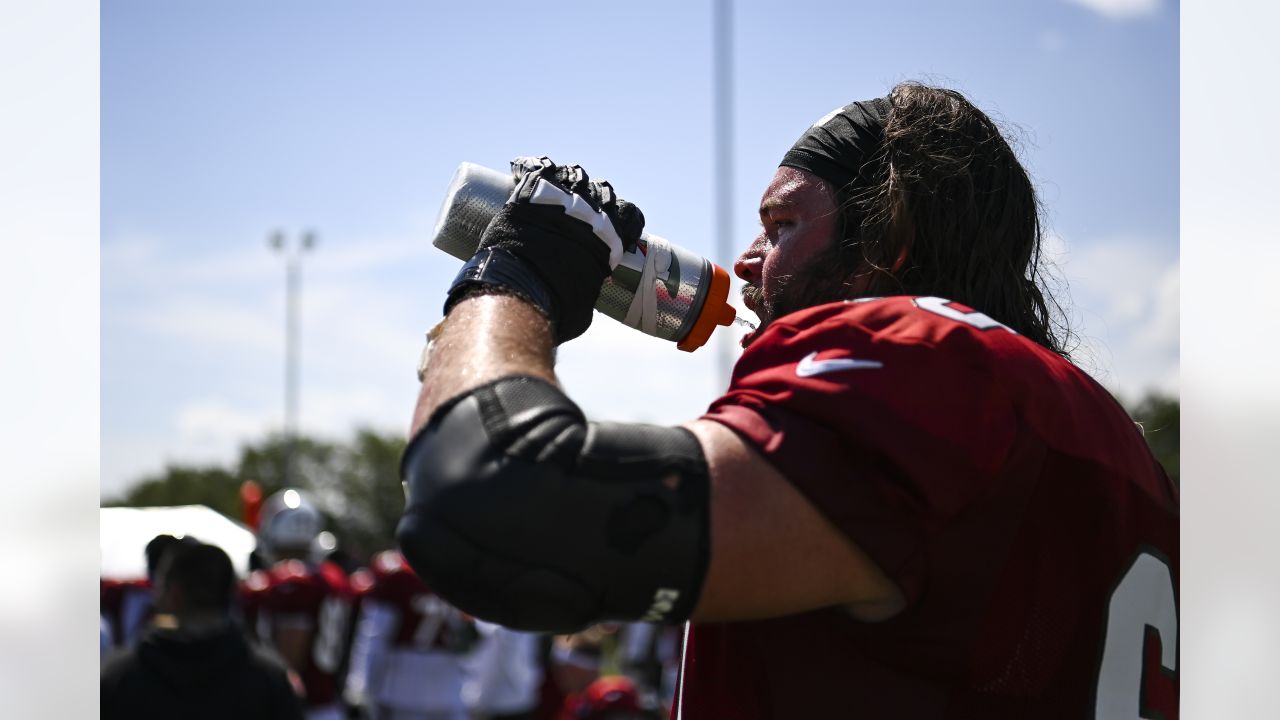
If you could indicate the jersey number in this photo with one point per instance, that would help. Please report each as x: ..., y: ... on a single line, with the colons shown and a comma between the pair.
x: 433, y: 612
x: 331, y: 632
x: 941, y: 306
x: 1144, y: 598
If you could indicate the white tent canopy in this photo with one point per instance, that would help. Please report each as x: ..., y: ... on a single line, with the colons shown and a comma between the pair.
x: 125, y: 532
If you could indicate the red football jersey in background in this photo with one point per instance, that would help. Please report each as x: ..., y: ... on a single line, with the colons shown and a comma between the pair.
x: 318, y: 597
x: 1006, y: 493
x: 253, y: 594
x: 128, y: 608
x: 424, y: 620
x: 408, y: 651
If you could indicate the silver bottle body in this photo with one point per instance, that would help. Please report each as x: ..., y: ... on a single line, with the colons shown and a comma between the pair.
x: 659, y: 288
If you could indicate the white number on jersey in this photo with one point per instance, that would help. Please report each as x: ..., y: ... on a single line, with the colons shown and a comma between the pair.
x: 434, y: 613
x: 941, y: 306
x: 331, y: 633
x: 1143, y: 598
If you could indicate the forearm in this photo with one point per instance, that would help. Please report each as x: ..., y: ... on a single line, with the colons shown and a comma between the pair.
x: 484, y: 338
x: 500, y: 457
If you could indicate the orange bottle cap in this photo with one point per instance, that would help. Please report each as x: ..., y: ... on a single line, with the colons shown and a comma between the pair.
x: 716, y: 310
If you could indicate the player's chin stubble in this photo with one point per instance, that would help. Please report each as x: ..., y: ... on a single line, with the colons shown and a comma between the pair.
x: 822, y: 280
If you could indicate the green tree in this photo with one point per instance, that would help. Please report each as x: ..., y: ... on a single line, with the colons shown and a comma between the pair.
x: 355, y: 483
x: 366, y: 486
x: 1158, y: 415
x: 184, y: 485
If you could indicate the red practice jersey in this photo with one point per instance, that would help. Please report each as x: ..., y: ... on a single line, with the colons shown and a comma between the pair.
x: 425, y: 621
x: 361, y: 582
x: 253, y: 594
x: 1006, y: 493
x: 317, y: 597
x: 407, y: 653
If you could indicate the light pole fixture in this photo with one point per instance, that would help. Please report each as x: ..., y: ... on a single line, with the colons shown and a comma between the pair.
x: 292, y: 356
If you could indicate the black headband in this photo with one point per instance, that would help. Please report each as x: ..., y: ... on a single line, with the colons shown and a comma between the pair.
x: 838, y: 145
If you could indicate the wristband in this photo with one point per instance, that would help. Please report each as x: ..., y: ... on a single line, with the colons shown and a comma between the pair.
x: 498, y: 267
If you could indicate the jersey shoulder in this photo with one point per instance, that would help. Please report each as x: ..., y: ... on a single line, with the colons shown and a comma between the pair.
x: 393, y: 579
x: 388, y: 563
x: 294, y: 587
x: 899, y: 351
x: 908, y: 347
x: 891, y: 373
x: 258, y: 582
x: 921, y: 322
x: 333, y: 577
x: 290, y: 572
x: 362, y: 582
x: 884, y: 378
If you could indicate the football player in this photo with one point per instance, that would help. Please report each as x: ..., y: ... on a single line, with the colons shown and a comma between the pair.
x: 305, y: 610
x: 409, y: 648
x: 505, y: 674
x: 908, y: 503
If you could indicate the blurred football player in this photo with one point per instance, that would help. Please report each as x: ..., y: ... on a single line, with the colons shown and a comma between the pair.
x: 409, y: 648
x: 305, y: 610
x: 908, y: 502
x: 253, y: 593
x: 505, y: 674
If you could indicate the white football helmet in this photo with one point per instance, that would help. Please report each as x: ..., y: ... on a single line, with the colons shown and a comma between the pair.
x: 289, y: 523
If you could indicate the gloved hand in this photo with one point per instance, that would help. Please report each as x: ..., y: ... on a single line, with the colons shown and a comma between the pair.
x: 554, y: 242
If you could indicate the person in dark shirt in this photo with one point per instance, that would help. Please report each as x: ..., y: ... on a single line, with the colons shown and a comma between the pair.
x: 194, y: 662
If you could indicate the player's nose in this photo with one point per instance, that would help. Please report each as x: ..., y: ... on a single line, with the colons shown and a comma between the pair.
x: 747, y: 266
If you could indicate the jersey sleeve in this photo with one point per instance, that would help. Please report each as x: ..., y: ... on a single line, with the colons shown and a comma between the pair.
x: 397, y: 589
x: 888, y: 420
x: 393, y: 582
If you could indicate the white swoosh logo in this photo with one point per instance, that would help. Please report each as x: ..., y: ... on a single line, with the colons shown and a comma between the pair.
x: 811, y: 365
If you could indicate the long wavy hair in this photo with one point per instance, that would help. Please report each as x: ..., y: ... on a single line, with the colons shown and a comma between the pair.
x: 946, y: 209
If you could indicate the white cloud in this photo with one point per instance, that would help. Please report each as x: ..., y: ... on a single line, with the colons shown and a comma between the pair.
x: 618, y: 374
x: 214, y: 425
x: 1121, y: 9
x: 1124, y: 306
x: 333, y: 412
x: 207, y: 323
x: 197, y: 345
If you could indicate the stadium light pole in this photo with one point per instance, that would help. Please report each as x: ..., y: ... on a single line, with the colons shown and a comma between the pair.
x: 292, y: 349
x: 722, y: 130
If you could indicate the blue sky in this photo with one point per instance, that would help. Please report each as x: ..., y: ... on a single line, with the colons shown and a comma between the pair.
x: 223, y: 122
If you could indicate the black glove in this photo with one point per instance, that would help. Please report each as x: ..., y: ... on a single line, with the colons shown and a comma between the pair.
x: 553, y: 243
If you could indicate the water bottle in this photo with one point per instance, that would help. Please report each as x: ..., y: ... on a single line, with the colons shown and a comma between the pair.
x: 659, y: 288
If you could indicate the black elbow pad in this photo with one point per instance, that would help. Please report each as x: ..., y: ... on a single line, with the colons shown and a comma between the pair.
x: 522, y: 513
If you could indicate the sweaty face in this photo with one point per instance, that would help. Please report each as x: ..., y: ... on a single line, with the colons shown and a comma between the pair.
x: 789, y: 264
